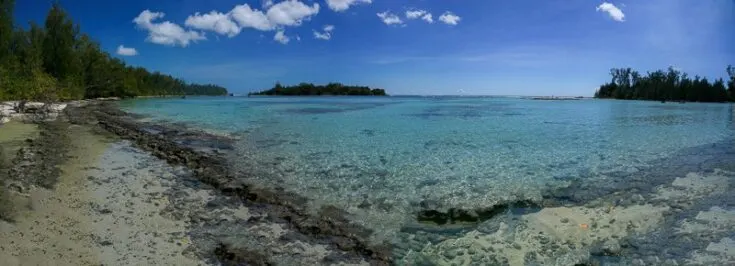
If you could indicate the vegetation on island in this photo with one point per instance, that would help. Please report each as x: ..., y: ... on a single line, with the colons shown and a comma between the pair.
x: 308, y: 89
x: 56, y: 61
x: 669, y: 85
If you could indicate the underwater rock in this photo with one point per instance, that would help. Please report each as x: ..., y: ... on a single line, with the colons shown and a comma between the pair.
x: 330, y: 225
x: 462, y: 216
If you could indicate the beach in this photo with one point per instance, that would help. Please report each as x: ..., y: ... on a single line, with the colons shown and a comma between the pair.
x: 127, y: 190
x: 115, y: 203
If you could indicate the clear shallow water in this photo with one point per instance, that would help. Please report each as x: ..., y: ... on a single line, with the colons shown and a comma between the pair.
x: 380, y: 157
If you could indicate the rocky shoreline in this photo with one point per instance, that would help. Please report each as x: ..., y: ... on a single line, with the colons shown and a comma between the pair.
x: 329, y: 226
x: 178, y: 177
x: 273, y: 227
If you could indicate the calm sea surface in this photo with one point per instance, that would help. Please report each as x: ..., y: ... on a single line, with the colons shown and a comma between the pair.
x: 381, y: 157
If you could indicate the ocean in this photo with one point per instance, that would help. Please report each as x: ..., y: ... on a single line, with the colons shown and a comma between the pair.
x: 385, y: 159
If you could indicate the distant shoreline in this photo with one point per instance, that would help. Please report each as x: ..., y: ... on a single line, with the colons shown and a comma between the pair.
x: 330, y: 89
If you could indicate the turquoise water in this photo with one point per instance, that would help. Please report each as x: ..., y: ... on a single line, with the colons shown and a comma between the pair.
x: 395, y: 152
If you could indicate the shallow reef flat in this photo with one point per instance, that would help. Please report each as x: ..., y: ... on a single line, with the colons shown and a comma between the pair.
x: 697, y: 235
x: 176, y: 196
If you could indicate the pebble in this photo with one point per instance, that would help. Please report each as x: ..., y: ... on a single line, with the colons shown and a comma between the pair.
x: 564, y: 220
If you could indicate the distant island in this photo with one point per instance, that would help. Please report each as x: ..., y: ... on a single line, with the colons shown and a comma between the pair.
x: 555, y: 98
x: 670, y: 85
x: 308, y: 89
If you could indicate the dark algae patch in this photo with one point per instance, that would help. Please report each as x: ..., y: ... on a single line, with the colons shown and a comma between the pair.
x: 35, y: 163
x: 329, y: 226
x: 469, y: 217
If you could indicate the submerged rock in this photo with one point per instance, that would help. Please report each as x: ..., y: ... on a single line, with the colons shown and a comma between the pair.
x: 180, y: 147
x: 462, y: 216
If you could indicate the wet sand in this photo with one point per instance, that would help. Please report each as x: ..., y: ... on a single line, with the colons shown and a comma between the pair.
x: 91, y: 216
x: 12, y: 135
x: 115, y: 204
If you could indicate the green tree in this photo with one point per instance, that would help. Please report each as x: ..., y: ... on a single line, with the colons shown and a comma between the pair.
x: 57, y: 62
x: 731, y: 82
x: 662, y: 85
x: 59, y: 54
x: 6, y: 27
x: 311, y: 89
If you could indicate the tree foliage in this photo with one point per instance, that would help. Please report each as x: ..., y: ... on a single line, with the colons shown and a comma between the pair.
x: 55, y: 61
x: 731, y: 83
x: 329, y: 89
x: 669, y: 85
x: 6, y: 28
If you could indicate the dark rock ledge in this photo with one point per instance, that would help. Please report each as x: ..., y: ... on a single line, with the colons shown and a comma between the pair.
x: 329, y: 226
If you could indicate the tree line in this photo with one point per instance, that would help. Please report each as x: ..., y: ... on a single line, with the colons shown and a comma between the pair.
x: 669, y: 85
x: 56, y: 61
x: 315, y: 90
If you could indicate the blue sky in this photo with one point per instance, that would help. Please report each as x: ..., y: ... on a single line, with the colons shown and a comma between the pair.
x: 524, y: 47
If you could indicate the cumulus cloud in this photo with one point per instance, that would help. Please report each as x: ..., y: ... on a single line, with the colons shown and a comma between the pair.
x: 275, y: 16
x: 423, y: 14
x: 214, y: 21
x: 414, y: 14
x: 165, y: 33
x: 247, y: 17
x: 613, y: 11
x: 322, y: 36
x: 267, y: 3
x: 389, y: 18
x: 281, y: 37
x: 342, y: 5
x: 428, y: 18
x: 326, y: 35
x: 291, y: 12
x: 126, y: 51
x: 449, y: 18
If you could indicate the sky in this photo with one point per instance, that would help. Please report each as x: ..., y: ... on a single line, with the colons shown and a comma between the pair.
x: 416, y: 47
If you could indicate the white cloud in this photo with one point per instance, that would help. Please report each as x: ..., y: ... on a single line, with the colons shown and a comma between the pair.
x: 247, y: 17
x: 389, y: 18
x: 286, y: 13
x: 449, y: 18
x: 322, y: 36
x: 126, y: 51
x: 214, y: 21
x: 423, y: 14
x: 267, y: 3
x: 342, y: 5
x: 166, y: 33
x: 326, y: 35
x: 291, y: 12
x: 428, y: 18
x: 413, y: 14
x: 613, y: 11
x: 273, y: 17
x: 281, y: 37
